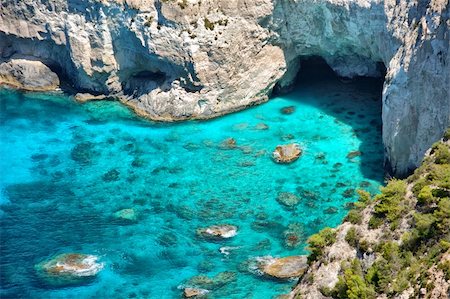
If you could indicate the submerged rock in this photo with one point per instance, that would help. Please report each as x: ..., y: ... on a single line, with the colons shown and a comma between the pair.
x: 287, y: 199
x: 293, y: 236
x: 287, y: 137
x: 246, y: 164
x: 83, y: 152
x: 353, y: 154
x: 224, y: 231
x: 287, y: 153
x: 261, y: 126
x: 111, y: 176
x: 194, y: 293
x: 287, y: 110
x: 348, y: 193
x: 331, y: 210
x: 69, y: 269
x: 286, y: 267
x: 229, y: 143
x: 126, y: 214
x: 205, y: 282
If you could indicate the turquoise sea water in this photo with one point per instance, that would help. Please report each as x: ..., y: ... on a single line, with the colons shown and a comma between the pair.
x: 66, y: 168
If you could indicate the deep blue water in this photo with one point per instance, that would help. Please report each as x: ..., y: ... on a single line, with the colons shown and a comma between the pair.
x: 57, y: 197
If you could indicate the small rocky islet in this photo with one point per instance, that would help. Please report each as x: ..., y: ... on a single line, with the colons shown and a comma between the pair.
x: 69, y: 269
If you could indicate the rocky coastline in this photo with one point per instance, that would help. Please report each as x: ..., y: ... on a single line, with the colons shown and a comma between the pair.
x: 177, y: 60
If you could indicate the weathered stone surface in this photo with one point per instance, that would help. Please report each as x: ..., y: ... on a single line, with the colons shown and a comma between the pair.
x: 206, y: 58
x: 287, y: 153
x: 85, y: 97
x: 194, y: 293
x: 224, y: 231
x: 28, y: 75
x: 69, y: 268
x: 285, y: 267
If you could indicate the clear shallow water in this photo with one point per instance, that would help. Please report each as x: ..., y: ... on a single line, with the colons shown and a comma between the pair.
x: 56, y: 197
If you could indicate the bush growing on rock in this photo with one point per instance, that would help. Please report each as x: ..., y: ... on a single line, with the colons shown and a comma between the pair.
x: 319, y: 241
x: 352, y: 284
x: 352, y: 237
x: 390, y: 201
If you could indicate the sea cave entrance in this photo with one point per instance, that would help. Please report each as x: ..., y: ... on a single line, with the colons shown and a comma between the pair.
x: 355, y: 102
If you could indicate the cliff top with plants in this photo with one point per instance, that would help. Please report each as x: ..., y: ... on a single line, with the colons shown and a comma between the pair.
x: 395, y: 245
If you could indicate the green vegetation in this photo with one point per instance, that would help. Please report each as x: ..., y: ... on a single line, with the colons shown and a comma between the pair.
x: 319, y: 241
x: 352, y: 237
x: 208, y: 24
x: 390, y: 202
x: 351, y: 284
x: 400, y: 262
x: 355, y: 216
x: 447, y: 135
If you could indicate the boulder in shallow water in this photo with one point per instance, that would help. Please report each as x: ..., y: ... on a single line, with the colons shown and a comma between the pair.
x: 194, y: 292
x: 229, y: 143
x: 126, y: 214
x: 111, y: 176
x: 287, y: 110
x: 261, y: 127
x: 224, y: 231
x: 287, y: 153
x: 69, y: 269
x: 285, y: 267
x: 293, y: 235
x: 218, y: 281
x: 353, y: 154
x: 287, y: 199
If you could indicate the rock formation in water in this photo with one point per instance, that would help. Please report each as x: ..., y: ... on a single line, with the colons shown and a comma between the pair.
x: 181, y: 59
x: 69, y: 269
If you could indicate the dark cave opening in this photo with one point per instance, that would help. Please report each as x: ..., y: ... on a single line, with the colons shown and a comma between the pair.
x: 144, y: 81
x: 315, y: 72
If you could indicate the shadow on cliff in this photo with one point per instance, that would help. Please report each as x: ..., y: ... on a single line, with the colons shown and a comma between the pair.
x: 365, y: 118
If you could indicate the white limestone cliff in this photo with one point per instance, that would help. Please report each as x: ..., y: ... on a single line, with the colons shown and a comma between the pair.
x: 181, y: 59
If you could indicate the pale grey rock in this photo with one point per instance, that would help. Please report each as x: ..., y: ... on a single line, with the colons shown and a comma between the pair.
x: 175, y: 60
x: 28, y: 74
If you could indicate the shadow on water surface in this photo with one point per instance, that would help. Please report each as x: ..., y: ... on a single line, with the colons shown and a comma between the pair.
x: 312, y: 81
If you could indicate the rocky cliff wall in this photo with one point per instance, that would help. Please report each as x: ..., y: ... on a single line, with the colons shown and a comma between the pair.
x: 182, y: 59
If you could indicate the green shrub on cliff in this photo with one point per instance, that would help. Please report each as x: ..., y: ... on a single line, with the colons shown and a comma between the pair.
x: 390, y: 201
x: 355, y: 216
x: 401, y: 262
x: 352, y: 284
x: 319, y: 241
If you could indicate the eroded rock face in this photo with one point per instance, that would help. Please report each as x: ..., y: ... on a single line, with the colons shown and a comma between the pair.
x: 175, y: 60
x: 194, y: 293
x: 28, y: 74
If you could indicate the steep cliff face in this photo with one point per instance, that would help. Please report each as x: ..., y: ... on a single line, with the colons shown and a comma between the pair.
x: 181, y: 59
